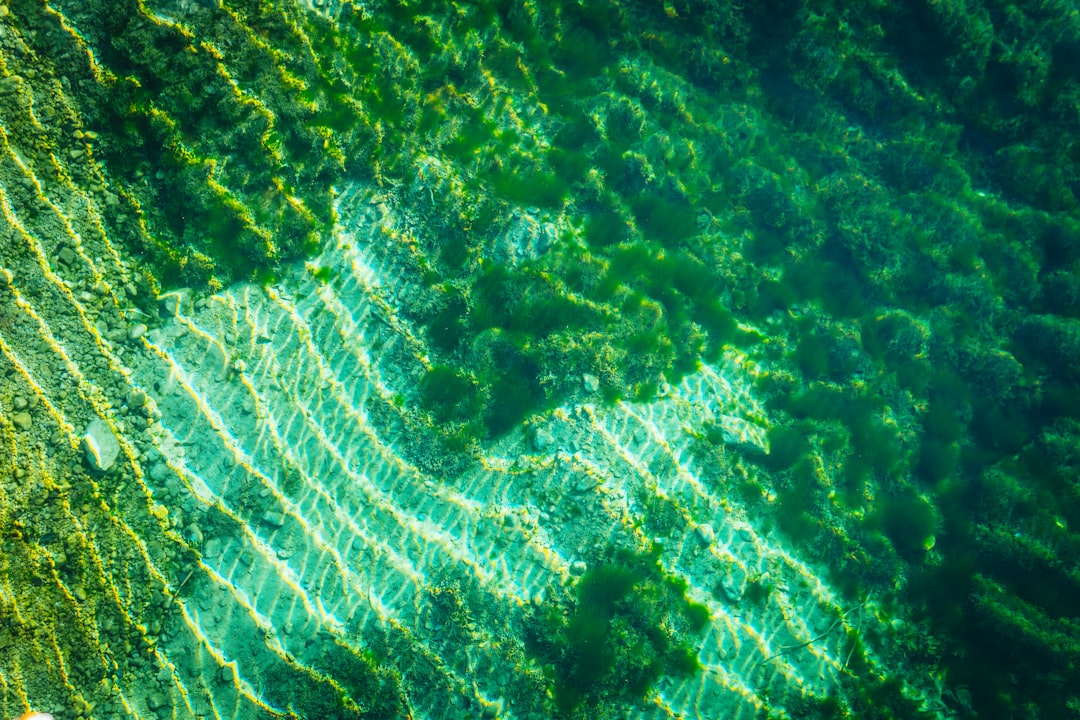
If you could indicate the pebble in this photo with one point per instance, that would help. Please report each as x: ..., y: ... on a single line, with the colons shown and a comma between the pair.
x: 20, y: 403
x: 136, y: 331
x: 578, y: 568
x: 156, y: 701
x: 100, y: 445
x: 705, y: 533
x: 274, y: 519
x: 22, y: 420
x: 543, y: 439
x: 66, y: 256
x: 212, y: 547
x: 195, y: 533
x: 591, y: 382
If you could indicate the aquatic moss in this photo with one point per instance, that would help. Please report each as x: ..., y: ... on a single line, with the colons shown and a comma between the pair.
x: 909, y: 522
x: 449, y: 395
x: 820, y: 146
x: 515, y: 392
x: 937, y: 460
x: 166, y: 111
x: 616, y: 638
x: 666, y: 220
x: 605, y: 228
x: 758, y: 590
x: 530, y: 186
x: 787, y: 444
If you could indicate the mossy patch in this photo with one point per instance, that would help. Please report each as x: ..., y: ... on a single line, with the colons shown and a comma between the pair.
x: 909, y: 522
x: 626, y: 626
x: 449, y: 395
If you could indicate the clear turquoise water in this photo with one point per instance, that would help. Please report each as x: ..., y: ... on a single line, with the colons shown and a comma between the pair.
x: 584, y: 359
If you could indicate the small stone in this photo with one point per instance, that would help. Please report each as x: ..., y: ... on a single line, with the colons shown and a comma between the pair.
x: 22, y: 420
x: 578, y: 568
x: 212, y: 547
x: 274, y: 519
x: 136, y: 331
x: 100, y: 445
x: 66, y: 256
x: 543, y: 439
x: 20, y: 403
x: 131, y: 290
x: 159, y: 471
x: 733, y: 587
x: 195, y: 533
x: 156, y: 701
x: 705, y: 533
x: 226, y: 675
x: 136, y: 398
x: 591, y: 382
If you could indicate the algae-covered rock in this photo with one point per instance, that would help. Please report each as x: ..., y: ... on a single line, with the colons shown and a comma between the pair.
x: 100, y: 445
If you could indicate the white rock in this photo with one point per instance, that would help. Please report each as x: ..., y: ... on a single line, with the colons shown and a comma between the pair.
x: 273, y: 519
x: 733, y: 586
x: 705, y: 533
x: 101, y: 446
x: 543, y: 439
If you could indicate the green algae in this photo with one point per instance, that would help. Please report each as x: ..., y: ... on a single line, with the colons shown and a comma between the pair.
x: 165, y: 139
x: 628, y: 624
x: 880, y: 238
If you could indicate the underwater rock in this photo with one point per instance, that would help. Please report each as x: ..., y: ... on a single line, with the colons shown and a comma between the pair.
x: 733, y: 586
x: 136, y: 331
x: 273, y: 519
x: 543, y: 439
x: 101, y: 446
x: 705, y: 533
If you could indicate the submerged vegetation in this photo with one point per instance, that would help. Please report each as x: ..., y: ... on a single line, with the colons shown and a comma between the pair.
x: 627, y: 624
x: 876, y: 201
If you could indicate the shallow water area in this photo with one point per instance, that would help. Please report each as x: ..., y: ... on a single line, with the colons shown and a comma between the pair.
x: 582, y: 359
